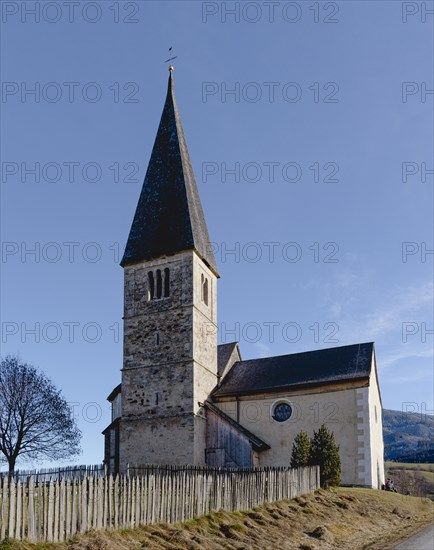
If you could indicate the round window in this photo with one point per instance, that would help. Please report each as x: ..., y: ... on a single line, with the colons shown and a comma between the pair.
x: 282, y: 411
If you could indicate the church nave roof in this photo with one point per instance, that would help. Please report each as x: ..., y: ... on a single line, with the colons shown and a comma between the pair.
x: 310, y: 368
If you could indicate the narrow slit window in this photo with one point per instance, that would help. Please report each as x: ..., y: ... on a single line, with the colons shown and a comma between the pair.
x: 159, y: 283
x: 205, y: 291
x: 151, y: 286
x: 166, y: 282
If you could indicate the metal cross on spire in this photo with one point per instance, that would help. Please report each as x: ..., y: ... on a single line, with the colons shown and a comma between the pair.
x: 171, y: 58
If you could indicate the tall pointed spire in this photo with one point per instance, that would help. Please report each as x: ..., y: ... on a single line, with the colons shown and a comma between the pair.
x: 169, y: 216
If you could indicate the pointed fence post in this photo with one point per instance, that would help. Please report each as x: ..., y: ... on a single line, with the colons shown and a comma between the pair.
x: 50, y: 515
x: 4, y: 510
x: 12, y: 505
x: 31, y: 529
x: 84, y: 504
x: 74, y: 513
x: 18, y: 518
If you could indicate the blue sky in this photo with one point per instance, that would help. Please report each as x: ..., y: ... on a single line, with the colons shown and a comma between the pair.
x: 314, y: 171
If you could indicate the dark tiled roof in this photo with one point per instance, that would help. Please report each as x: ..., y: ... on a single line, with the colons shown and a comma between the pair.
x: 169, y: 216
x: 310, y: 368
x: 114, y: 392
x: 256, y: 442
x: 224, y: 353
x: 111, y: 425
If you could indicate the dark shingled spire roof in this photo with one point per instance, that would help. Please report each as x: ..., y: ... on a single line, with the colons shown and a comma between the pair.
x: 169, y: 216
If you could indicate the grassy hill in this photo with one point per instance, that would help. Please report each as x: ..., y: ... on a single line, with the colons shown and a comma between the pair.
x: 408, y: 437
x: 412, y: 478
x: 348, y: 519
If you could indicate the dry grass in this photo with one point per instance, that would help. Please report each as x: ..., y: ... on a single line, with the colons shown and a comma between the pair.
x: 426, y: 470
x: 353, y: 519
x: 412, y: 479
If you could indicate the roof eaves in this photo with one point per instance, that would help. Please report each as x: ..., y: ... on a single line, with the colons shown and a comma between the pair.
x: 252, y: 391
x: 115, y: 392
x: 111, y: 425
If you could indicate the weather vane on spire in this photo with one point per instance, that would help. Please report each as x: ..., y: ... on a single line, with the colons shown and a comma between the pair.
x: 171, y: 58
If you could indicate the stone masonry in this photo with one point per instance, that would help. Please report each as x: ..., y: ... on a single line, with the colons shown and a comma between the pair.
x: 170, y: 363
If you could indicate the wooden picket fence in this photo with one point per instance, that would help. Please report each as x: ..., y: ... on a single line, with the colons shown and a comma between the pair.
x: 64, y: 472
x: 55, y: 511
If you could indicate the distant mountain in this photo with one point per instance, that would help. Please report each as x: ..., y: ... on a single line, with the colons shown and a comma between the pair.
x: 408, y: 437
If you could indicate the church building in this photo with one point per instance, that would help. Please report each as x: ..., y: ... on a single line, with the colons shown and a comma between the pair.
x: 184, y: 399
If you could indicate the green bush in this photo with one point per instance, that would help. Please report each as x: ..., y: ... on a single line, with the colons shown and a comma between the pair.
x: 320, y: 451
x: 325, y: 453
x: 301, y: 451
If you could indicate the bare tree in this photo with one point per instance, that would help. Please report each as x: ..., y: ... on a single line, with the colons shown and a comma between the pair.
x: 35, y: 420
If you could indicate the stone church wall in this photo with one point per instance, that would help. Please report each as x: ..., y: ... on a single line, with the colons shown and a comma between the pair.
x: 370, y: 458
x: 159, y: 440
x: 204, y: 333
x: 377, y: 442
x: 336, y: 409
x: 170, y: 362
x: 157, y: 391
x: 157, y: 331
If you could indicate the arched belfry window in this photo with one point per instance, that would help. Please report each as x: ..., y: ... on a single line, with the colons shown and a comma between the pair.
x: 204, y: 289
x: 151, y: 286
x: 166, y: 282
x: 158, y: 284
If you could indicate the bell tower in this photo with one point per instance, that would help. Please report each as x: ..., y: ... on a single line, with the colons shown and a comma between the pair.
x: 170, y: 310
